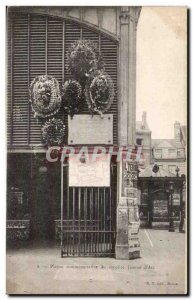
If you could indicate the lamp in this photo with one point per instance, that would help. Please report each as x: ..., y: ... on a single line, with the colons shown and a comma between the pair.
x: 83, y: 159
x: 177, y: 171
x: 171, y: 221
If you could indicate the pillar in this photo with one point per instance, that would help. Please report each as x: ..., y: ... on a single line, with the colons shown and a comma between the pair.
x: 127, y: 242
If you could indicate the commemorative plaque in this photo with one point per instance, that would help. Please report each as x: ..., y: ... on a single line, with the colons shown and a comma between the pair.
x: 87, y: 130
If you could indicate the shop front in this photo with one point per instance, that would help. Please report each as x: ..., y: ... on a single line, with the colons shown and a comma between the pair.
x: 162, y: 201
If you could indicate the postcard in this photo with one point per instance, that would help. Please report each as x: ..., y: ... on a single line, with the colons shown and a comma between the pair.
x: 96, y: 116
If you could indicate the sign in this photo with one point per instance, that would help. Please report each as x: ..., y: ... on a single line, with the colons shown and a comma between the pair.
x: 160, y: 208
x: 176, y: 199
x: 129, y: 178
x: 89, y: 173
x: 87, y: 130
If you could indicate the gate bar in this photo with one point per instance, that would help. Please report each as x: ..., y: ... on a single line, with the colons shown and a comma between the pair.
x: 62, y: 202
x: 98, y: 195
x: 73, y: 214
x: 104, y: 215
x: 79, y: 216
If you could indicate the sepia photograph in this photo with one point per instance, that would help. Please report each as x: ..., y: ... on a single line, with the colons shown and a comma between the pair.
x: 97, y: 148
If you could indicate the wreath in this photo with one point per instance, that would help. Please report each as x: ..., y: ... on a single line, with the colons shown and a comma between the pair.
x: 71, y: 96
x: 45, y: 96
x: 99, y: 93
x: 83, y: 58
x: 53, y: 132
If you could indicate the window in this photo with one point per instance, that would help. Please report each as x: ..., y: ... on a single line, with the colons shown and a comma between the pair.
x: 172, y: 169
x: 18, y: 186
x: 37, y: 45
x: 158, y: 153
x: 178, y: 153
x: 172, y: 153
x: 139, y: 142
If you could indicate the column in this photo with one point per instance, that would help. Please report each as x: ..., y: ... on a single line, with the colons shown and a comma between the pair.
x: 127, y: 243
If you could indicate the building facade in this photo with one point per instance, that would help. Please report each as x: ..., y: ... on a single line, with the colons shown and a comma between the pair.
x: 163, y: 163
x: 43, y: 199
x: 162, y: 199
x: 168, y: 154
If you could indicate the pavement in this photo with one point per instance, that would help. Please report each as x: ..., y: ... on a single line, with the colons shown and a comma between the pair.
x: 161, y: 269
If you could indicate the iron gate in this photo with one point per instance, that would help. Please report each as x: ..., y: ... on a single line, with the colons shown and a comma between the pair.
x: 88, y: 218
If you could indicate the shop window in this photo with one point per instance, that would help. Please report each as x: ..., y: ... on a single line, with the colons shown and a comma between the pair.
x: 17, y: 204
x: 18, y: 186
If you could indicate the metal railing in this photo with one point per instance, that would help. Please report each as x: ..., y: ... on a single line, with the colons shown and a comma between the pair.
x: 88, y: 222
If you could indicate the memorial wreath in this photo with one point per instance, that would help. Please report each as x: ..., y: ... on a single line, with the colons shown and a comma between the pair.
x: 83, y: 58
x: 53, y: 132
x: 71, y: 96
x: 99, y: 92
x: 45, y: 96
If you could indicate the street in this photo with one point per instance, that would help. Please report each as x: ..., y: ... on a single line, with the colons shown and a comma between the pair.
x: 161, y: 269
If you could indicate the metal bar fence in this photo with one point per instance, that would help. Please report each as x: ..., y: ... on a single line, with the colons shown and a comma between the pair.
x: 88, y: 222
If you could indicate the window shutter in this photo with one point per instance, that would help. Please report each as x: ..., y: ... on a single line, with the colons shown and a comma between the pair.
x: 20, y: 80
x: 37, y: 66
x: 109, y: 51
x: 38, y: 45
x: 9, y: 80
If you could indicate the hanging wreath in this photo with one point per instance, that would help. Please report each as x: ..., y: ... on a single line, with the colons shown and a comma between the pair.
x: 99, y: 93
x: 45, y: 96
x: 83, y: 58
x: 71, y: 96
x: 53, y: 132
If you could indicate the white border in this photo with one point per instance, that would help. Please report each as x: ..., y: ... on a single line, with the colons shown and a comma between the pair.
x: 3, y: 3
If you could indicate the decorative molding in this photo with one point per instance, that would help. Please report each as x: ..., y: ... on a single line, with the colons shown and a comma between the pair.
x: 128, y: 14
x: 82, y: 13
x: 64, y: 15
x: 124, y: 15
x: 100, y: 16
